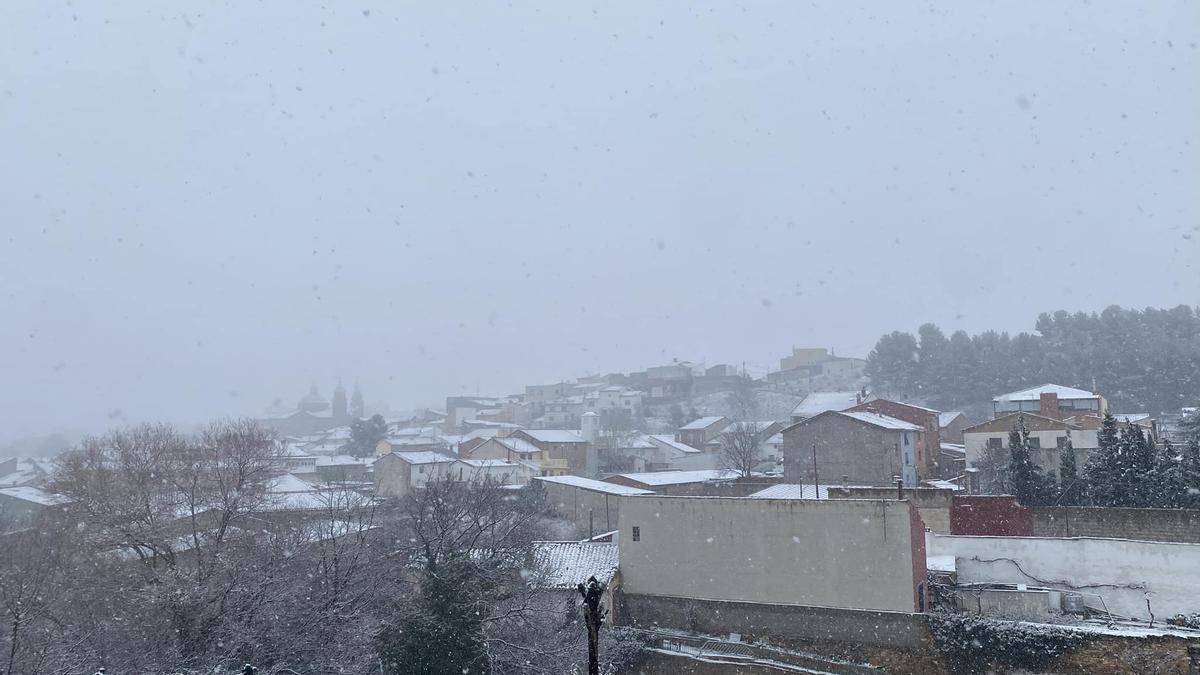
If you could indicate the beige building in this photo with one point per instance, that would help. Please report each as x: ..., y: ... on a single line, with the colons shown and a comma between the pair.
x: 589, y: 504
x: 1047, y: 436
x: 859, y: 554
x: 398, y: 474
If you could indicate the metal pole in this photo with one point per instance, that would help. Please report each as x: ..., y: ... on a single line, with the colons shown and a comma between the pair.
x: 816, y: 476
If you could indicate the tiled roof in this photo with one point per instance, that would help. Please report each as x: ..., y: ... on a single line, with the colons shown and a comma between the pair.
x: 564, y: 564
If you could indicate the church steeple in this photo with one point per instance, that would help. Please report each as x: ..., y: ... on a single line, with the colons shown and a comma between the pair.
x: 357, y: 408
x: 339, y: 402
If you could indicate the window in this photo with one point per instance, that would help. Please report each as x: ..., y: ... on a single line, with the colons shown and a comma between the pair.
x: 995, y: 443
x: 1060, y: 442
x: 637, y: 533
x: 420, y: 469
x: 1035, y: 443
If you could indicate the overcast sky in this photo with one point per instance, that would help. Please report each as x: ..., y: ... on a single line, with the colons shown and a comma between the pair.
x: 208, y: 208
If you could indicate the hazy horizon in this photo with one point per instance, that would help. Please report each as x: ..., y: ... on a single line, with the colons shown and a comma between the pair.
x: 204, y: 211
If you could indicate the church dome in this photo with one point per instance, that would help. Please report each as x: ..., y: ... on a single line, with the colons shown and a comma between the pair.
x: 313, y: 402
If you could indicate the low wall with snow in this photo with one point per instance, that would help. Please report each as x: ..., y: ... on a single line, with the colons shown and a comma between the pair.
x: 1125, y: 573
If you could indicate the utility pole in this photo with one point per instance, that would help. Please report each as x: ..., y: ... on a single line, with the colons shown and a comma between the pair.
x: 593, y: 616
x: 816, y: 476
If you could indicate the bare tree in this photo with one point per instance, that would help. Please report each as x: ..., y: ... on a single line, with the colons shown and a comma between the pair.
x: 741, y: 448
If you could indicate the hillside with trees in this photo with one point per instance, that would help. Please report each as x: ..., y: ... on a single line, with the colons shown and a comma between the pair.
x: 1141, y: 360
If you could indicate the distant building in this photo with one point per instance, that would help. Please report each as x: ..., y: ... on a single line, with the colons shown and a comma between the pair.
x: 699, y: 432
x: 27, y: 506
x: 865, y: 447
x: 399, y: 474
x: 313, y: 413
x: 952, y: 425
x: 562, y: 446
x: 1047, y: 436
x: 589, y: 504
x: 928, y: 444
x: 672, y: 482
x: 807, y: 367
x: 499, y: 471
x: 1050, y: 400
x: 822, y: 401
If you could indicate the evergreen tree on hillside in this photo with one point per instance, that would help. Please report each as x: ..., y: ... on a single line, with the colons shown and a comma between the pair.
x: 1030, y: 486
x: 1100, y: 472
x: 1070, y: 492
x: 1142, y: 359
x: 893, y: 365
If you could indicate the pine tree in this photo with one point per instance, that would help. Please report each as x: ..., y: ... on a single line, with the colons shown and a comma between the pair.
x: 1168, y: 481
x: 365, y: 435
x: 443, y: 633
x: 1101, y: 471
x: 1190, y: 475
x: 1029, y: 484
x: 1068, y: 475
x: 1137, y: 464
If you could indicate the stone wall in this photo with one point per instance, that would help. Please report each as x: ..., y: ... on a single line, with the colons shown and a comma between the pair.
x: 896, y: 642
x: 1177, y: 525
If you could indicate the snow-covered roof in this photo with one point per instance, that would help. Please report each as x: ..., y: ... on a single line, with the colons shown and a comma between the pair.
x: 288, y: 483
x: 943, y: 484
x: 1132, y: 418
x: 27, y: 471
x: 425, y: 457
x: 954, y: 448
x: 518, y: 445
x: 882, y: 421
x: 669, y: 441
x: 35, y: 495
x: 820, y: 401
x: 946, y: 418
x: 564, y: 564
x: 594, y: 485
x: 555, y: 436
x: 491, y: 463
x: 1035, y: 393
x: 702, y: 423
x: 640, y: 442
x: 344, y: 460
x: 658, y: 478
x: 796, y: 491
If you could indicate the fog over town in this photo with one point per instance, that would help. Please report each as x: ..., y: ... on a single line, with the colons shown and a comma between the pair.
x: 538, y: 337
x: 209, y: 207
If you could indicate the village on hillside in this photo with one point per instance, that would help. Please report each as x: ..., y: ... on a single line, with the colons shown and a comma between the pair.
x: 795, y: 519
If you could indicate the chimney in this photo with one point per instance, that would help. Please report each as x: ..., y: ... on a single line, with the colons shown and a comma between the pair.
x: 899, y: 487
x: 845, y: 484
x: 1048, y: 405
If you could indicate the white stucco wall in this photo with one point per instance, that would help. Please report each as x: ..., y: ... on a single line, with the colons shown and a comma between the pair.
x: 1124, y: 572
x: 836, y: 553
